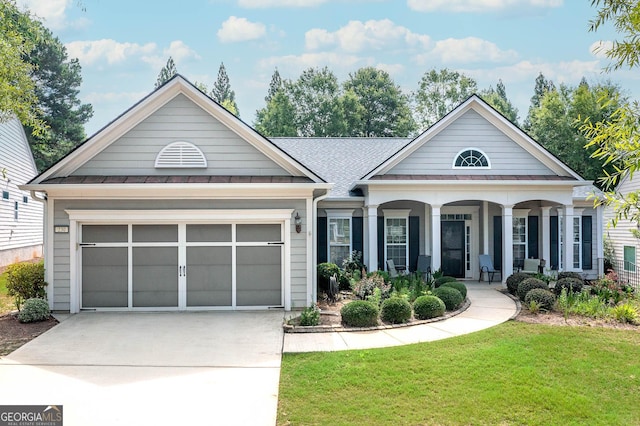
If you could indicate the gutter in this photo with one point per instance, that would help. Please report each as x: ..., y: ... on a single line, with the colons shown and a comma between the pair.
x: 314, y: 249
x: 45, y: 240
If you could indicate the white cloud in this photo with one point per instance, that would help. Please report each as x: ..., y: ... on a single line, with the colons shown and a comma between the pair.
x: 467, y: 50
x: 91, y: 52
x: 294, y: 64
x: 237, y: 29
x: 178, y: 50
x: 111, y: 97
x: 477, y: 5
x: 526, y: 71
x: 600, y: 48
x: 357, y: 36
x: 262, y: 4
x: 52, y: 12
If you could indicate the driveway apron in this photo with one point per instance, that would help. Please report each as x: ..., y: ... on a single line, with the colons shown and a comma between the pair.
x: 200, y: 368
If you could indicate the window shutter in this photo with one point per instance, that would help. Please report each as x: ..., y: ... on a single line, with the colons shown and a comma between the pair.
x: 553, y: 238
x: 587, y: 243
x: 532, y: 237
x: 356, y: 234
x: 414, y: 242
x: 497, y: 242
x: 381, y: 259
x: 322, y: 240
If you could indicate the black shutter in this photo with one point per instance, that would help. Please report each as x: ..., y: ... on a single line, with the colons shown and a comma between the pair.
x: 497, y: 242
x: 587, y: 243
x: 356, y: 234
x: 414, y: 242
x: 553, y: 238
x: 532, y: 237
x: 380, y: 232
x: 322, y: 240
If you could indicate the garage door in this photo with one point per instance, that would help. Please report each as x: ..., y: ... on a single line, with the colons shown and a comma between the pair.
x: 181, y: 266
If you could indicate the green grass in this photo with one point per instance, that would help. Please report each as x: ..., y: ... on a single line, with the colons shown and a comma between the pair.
x: 512, y: 374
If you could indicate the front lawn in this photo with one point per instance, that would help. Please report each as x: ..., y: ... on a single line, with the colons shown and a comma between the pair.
x: 512, y: 374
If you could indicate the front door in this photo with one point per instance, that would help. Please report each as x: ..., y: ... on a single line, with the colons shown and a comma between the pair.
x: 453, y: 248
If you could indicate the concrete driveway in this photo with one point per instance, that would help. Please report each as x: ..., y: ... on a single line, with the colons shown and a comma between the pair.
x: 199, y: 368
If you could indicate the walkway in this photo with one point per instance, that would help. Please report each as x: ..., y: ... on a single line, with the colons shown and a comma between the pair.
x: 489, y: 307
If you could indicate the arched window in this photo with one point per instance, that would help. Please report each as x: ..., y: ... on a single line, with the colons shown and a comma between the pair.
x: 180, y: 155
x: 471, y: 157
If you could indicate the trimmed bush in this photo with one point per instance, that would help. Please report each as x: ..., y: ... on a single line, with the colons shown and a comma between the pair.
x: 34, y: 310
x: 327, y: 270
x: 426, y: 307
x: 450, y: 296
x: 458, y: 286
x: 529, y: 284
x: 310, y: 316
x: 570, y: 284
x: 359, y: 313
x: 569, y: 274
x: 26, y: 281
x: 365, y: 288
x: 544, y: 298
x: 514, y: 280
x: 395, y: 310
x: 442, y: 280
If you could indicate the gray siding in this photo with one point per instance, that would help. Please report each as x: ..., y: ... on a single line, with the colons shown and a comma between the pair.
x: 436, y: 156
x: 26, y: 231
x: 181, y: 120
x: 61, y: 241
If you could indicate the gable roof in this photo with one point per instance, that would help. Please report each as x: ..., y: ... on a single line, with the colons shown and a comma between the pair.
x: 151, y: 103
x: 476, y: 104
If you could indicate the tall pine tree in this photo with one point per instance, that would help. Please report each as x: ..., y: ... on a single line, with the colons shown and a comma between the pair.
x: 221, y: 92
x: 168, y: 71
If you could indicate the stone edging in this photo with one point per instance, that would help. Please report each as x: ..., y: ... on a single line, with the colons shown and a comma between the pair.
x: 517, y: 302
x: 288, y: 328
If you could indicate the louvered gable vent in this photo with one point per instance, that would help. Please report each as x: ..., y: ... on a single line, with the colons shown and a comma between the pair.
x: 180, y: 155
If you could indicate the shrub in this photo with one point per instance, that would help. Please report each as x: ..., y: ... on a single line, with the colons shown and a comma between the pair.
x: 359, y: 313
x: 442, y: 280
x: 458, y: 286
x: 572, y: 285
x: 514, y: 280
x: 327, y: 270
x: 310, y: 316
x: 395, y: 310
x: 625, y: 313
x: 426, y: 307
x: 34, y: 310
x: 353, y: 263
x: 570, y: 274
x: 450, y: 296
x: 26, y: 281
x: 610, y: 290
x: 366, y: 287
x: 544, y: 299
x: 529, y: 284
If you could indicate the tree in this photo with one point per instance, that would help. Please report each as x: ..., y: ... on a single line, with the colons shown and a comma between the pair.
x: 438, y: 93
x: 274, y: 86
x: 276, y: 118
x: 221, y: 92
x: 497, y: 98
x: 57, y: 85
x: 18, y: 37
x: 384, y: 108
x: 541, y: 87
x: 168, y: 71
x: 617, y: 140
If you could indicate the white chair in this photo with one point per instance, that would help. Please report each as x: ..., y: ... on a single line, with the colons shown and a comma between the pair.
x: 395, y: 271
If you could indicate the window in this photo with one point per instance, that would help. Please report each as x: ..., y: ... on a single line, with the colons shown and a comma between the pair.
x: 339, y: 239
x: 15, y: 210
x: 471, y: 157
x: 396, y: 236
x: 519, y: 240
x: 25, y: 199
x: 5, y: 195
x: 629, y: 258
x: 577, y: 242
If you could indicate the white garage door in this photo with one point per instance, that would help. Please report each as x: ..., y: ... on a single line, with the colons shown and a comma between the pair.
x: 181, y: 266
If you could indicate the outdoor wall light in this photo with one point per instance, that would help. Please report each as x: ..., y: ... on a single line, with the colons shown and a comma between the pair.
x: 298, y: 222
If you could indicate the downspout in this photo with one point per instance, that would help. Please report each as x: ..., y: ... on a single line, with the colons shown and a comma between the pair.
x: 45, y: 237
x: 314, y: 243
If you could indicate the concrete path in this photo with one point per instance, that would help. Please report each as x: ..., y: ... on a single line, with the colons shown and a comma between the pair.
x: 155, y: 368
x: 489, y: 307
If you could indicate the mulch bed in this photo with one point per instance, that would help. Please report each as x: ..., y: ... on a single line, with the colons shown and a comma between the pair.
x: 14, y: 334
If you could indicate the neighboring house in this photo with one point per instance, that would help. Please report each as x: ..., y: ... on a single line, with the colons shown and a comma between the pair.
x: 20, y: 215
x: 177, y: 204
x: 625, y: 245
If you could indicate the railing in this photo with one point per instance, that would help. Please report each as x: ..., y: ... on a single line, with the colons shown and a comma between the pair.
x: 628, y: 273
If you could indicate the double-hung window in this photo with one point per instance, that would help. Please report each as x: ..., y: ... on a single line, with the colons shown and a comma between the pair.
x: 396, y: 236
x: 520, y: 236
x: 576, y: 232
x: 339, y: 235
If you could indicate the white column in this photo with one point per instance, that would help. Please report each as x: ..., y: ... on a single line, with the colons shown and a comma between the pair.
x: 546, y: 236
x: 599, y: 240
x: 507, y: 242
x: 568, y: 238
x: 436, y: 254
x: 485, y: 227
x: 427, y: 230
x: 365, y: 234
x: 372, y: 230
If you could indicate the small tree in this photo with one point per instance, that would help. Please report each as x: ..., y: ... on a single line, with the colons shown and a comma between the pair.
x: 168, y: 71
x: 26, y: 281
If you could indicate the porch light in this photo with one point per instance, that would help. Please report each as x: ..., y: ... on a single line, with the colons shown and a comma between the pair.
x: 298, y: 222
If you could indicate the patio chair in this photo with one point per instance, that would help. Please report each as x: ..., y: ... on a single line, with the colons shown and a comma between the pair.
x: 395, y: 271
x: 531, y: 266
x: 486, y: 265
x: 424, y: 266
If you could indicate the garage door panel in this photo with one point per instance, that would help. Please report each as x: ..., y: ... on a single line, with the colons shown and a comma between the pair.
x: 104, y: 277
x: 208, y: 233
x: 105, y: 233
x: 259, y: 276
x: 258, y: 233
x: 155, y: 277
x: 209, y: 276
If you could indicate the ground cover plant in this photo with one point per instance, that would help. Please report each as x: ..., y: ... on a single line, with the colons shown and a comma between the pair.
x: 512, y: 374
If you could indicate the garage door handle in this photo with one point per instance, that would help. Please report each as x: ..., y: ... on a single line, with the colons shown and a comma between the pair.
x: 182, y: 271
x: 276, y: 244
x: 87, y: 244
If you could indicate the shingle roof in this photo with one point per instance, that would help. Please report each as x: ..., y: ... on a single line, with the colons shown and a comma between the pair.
x: 341, y: 161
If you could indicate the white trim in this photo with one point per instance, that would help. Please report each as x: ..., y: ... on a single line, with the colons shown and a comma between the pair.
x: 474, y: 246
x: 180, y: 155
x: 174, y: 216
x: 486, y: 157
x: 396, y: 214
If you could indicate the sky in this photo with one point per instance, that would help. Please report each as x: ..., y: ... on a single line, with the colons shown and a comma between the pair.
x: 122, y: 45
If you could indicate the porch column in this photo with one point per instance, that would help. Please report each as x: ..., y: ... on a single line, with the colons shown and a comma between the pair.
x: 427, y: 230
x: 546, y: 235
x: 599, y: 238
x: 372, y: 230
x: 436, y: 244
x: 365, y: 235
x: 485, y: 227
x: 507, y: 242
x: 568, y: 238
